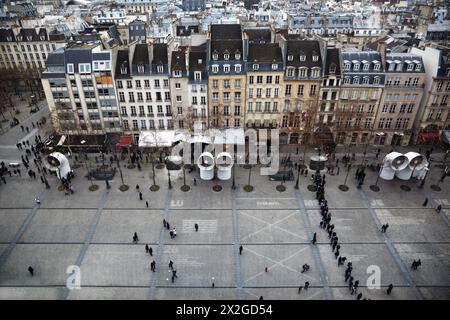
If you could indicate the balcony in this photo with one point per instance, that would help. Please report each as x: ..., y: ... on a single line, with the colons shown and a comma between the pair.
x: 168, y: 114
x: 160, y: 114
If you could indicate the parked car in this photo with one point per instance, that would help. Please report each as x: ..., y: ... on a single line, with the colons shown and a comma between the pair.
x: 288, y: 176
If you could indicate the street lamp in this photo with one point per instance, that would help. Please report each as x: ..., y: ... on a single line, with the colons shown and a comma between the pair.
x: 298, y: 177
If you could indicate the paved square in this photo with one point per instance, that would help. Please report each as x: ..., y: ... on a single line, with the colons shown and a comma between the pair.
x: 94, y: 230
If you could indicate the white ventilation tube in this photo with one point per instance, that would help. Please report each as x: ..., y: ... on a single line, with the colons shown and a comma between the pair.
x: 224, y: 163
x: 205, y: 162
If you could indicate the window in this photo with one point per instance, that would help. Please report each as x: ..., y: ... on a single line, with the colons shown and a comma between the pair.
x: 277, y: 79
x: 215, y: 56
x: 250, y: 107
x: 226, y: 68
x: 312, y: 91
x: 290, y: 58
x: 226, y: 83
x: 268, y: 92
x: 376, y: 80
x: 226, y: 56
x: 418, y: 68
x: 256, y: 67
x: 160, y: 69
x: 376, y: 66
x: 366, y: 66
x: 197, y: 76
x: 274, y: 66
x: 237, y: 68
x: 314, y: 57
x: 347, y: 80
x: 381, y: 123
x: 290, y: 72
x: 84, y: 67
x: 366, y: 80
x: 70, y: 68
x: 303, y: 72
x: 288, y: 90
x: 356, y: 80
x: 138, y: 84
x: 130, y: 96
x: 347, y: 65
x: 177, y: 73
x: 410, y: 68
x: 259, y: 79
x: 215, y: 68
x: 300, y: 90
x: 385, y: 108
x: 148, y: 96
x: 356, y: 66
x: 237, y: 56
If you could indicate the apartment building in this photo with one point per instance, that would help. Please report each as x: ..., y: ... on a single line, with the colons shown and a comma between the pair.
x: 434, y: 115
x: 28, y: 48
x: 325, y: 119
x: 302, y: 79
x: 264, y: 94
x: 143, y: 88
x: 79, y: 87
x: 226, y: 76
x: 179, y: 89
x: 198, y: 86
x: 400, y: 101
x: 363, y: 79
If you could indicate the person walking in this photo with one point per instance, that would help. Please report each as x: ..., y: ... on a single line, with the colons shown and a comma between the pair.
x: 146, y: 248
x: 137, y: 187
x: 439, y: 208
x: 135, y: 238
x: 306, y: 285
x: 359, y: 296
x: 389, y: 289
x: 424, y: 204
x: 300, y: 289
x: 314, y: 240
x: 171, y: 265
x: 196, y: 227
x: 31, y: 271
x: 168, y: 225
x: 146, y: 203
x: 164, y: 223
x: 195, y: 182
x: 240, y: 249
x: 140, y: 195
x: 150, y: 251
x: 153, y: 266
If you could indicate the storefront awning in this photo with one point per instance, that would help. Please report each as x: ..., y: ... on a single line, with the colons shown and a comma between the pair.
x: 125, y: 141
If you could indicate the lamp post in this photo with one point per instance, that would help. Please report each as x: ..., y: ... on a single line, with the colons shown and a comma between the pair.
x: 86, y: 163
x: 170, y: 182
x: 298, y: 177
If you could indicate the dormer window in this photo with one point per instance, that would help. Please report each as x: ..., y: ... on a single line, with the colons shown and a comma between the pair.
x: 226, y: 68
x: 347, y: 80
x: 256, y: 67
x: 237, y: 68
x: 215, y: 68
x: 226, y: 56
x: 303, y: 72
x: 42, y: 38
x: 391, y: 66
x: 410, y: 67
x: 315, y: 58
x: 356, y: 80
x: 332, y: 68
x: 140, y: 68
x: 376, y: 66
x: 215, y: 55
x: 366, y: 67
x: 356, y: 66
x: 274, y: 66
x: 418, y: 67
x: 303, y: 57
x: 315, y: 72
x: 366, y: 80
x: 177, y: 73
x: 399, y: 66
x: 70, y: 68
x: 237, y: 55
x: 29, y: 38
x: 347, y: 65
x: 123, y: 69
x: 200, y: 61
x: 376, y: 80
x: 198, y: 76
x: 160, y: 69
x: 9, y: 38
x: 19, y: 38
x: 290, y: 58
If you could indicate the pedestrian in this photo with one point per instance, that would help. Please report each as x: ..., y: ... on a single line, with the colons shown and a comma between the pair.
x: 424, y: 204
x: 338, y: 168
x: 266, y: 269
x: 240, y: 249
x: 150, y: 251
x: 196, y: 227
x: 137, y: 187
x: 314, y: 240
x: 174, y: 273
x: 37, y: 200
x: 414, y: 265
x: 135, y: 238
x: 439, y: 208
x: 261, y: 298
x: 359, y: 296
x: 146, y: 248
x: 146, y: 203
x: 28, y: 129
x: 168, y: 225
x: 213, y: 285
x: 140, y: 195
x: 164, y: 223
x: 389, y: 289
x: 31, y: 271
x: 171, y: 265
x: 23, y: 129
x: 3, y: 179
x: 195, y: 182
x: 171, y: 234
x: 336, y: 254
x: 306, y: 285
x: 153, y: 266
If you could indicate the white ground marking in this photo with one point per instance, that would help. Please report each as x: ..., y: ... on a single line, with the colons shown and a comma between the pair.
x: 270, y: 225
x: 278, y: 263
